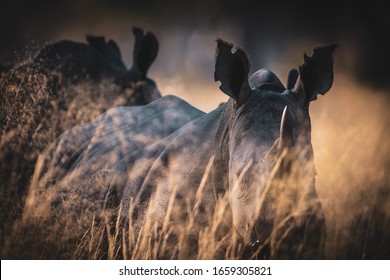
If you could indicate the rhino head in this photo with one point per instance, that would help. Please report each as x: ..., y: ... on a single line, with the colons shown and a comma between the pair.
x: 269, y: 152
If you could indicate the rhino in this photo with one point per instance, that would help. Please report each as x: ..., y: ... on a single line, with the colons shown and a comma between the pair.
x: 65, y: 84
x: 153, y: 164
x: 78, y: 81
x: 75, y: 62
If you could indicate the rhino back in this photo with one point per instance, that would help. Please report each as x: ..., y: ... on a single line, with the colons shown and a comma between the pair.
x: 87, y: 149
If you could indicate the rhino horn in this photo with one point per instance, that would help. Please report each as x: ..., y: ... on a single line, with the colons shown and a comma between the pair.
x: 286, y: 139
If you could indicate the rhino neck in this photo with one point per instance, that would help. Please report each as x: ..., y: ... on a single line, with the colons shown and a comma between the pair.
x: 219, y: 174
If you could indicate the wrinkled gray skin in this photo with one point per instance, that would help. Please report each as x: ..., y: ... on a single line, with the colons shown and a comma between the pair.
x: 260, y: 144
x: 99, y: 144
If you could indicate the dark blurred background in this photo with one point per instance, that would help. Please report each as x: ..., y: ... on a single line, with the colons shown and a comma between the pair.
x: 271, y: 31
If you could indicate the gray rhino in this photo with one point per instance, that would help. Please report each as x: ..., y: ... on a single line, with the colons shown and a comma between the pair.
x: 75, y: 62
x: 153, y: 164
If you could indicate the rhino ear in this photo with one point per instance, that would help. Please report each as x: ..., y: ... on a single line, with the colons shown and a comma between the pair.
x: 292, y: 78
x: 99, y: 44
x: 232, y: 70
x: 114, y: 47
x: 315, y: 74
x: 145, y: 51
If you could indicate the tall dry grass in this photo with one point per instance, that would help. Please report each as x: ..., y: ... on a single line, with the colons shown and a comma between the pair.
x: 197, y: 236
x: 36, y: 106
x: 110, y: 235
x: 350, y: 135
x: 189, y: 228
